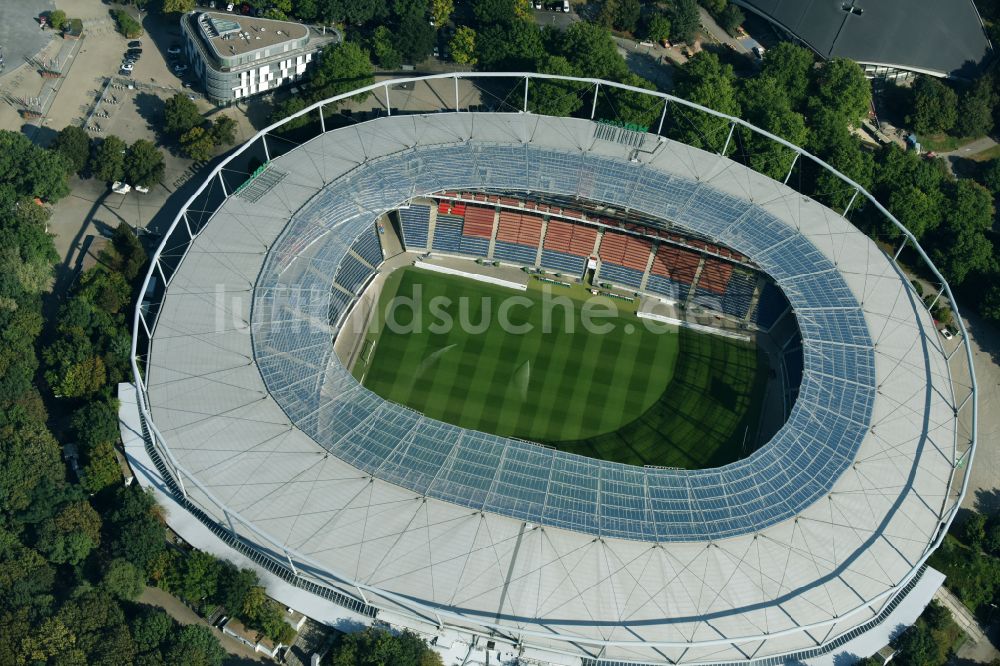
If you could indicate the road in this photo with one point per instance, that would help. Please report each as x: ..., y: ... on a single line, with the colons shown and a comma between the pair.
x: 978, y: 648
x: 717, y: 33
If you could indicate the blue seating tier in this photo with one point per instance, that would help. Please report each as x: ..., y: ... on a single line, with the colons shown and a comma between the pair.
x: 415, y: 221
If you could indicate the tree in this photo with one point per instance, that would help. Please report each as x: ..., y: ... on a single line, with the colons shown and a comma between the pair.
x: 790, y: 65
x: 123, y: 580
x: 198, y: 577
x: 415, y: 37
x: 198, y: 144
x: 378, y: 647
x: 620, y: 14
x: 555, y: 98
x: 143, y: 164
x: 628, y: 106
x: 510, y: 46
x: 441, y: 11
x: 306, y: 10
x: 974, y: 529
x: 95, y: 423
x: 384, y: 47
x: 684, y: 19
x: 195, y: 645
x: 658, y: 27
x: 108, y: 162
x: 224, y: 131
x: 916, y: 646
x: 975, y: 108
x: 150, y: 628
x: 101, y: 469
x: 840, y: 85
x: 57, y: 18
x: 731, y: 18
x: 960, y: 245
x: 30, y: 170
x: 234, y: 586
x: 73, y: 143
x: 590, y: 48
x: 29, y: 458
x: 177, y: 6
x: 180, y: 115
x: 493, y: 12
x: 128, y: 256
x: 990, y: 176
x: 126, y: 24
x: 463, y: 46
x: 935, y: 106
x: 70, y: 535
x: 704, y: 80
x: 989, y: 308
x: 134, y: 528
x: 342, y: 68
x: 766, y: 105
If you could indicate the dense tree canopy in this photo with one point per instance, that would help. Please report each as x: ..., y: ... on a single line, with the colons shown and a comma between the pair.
x: 108, y: 162
x: 556, y: 98
x: 840, y: 85
x: 705, y: 80
x: 144, y: 164
x: 975, y: 108
x: 790, y: 65
x: 342, y: 68
x: 378, y: 647
x: 684, y: 19
x: 73, y: 143
x: 766, y: 105
x: 30, y: 170
x: 935, y: 106
x: 463, y: 46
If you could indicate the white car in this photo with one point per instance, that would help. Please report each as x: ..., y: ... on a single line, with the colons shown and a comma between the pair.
x: 174, y: 50
x: 229, y: 7
x: 119, y: 187
x: 946, y: 334
x: 127, y: 66
x: 141, y: 190
x: 566, y: 6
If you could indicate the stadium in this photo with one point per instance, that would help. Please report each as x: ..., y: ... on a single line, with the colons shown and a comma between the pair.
x: 753, y: 466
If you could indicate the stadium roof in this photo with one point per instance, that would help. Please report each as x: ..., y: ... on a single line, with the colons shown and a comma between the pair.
x: 929, y: 36
x: 874, y: 448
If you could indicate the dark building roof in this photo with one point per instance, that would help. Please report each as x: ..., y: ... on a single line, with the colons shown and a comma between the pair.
x: 943, y: 37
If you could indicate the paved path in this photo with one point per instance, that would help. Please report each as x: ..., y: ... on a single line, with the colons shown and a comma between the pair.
x: 978, y: 648
x: 154, y: 596
x: 717, y: 33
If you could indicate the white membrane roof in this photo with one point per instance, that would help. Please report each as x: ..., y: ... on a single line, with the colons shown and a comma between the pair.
x: 801, y: 542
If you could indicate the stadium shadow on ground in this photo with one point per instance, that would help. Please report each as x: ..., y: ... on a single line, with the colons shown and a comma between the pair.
x: 668, y: 397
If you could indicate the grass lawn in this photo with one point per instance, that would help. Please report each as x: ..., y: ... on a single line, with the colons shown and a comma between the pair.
x: 630, y: 394
x: 943, y: 143
x: 986, y: 155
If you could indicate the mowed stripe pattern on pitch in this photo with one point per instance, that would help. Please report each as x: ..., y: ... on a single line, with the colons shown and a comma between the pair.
x: 554, y: 383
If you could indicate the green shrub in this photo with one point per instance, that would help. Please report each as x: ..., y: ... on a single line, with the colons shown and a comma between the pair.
x: 126, y: 23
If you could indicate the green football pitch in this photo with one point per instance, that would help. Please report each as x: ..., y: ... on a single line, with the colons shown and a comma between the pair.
x: 619, y: 389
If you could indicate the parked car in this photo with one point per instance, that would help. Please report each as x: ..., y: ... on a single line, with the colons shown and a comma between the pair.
x: 229, y: 7
x: 135, y: 44
x: 127, y: 67
x: 119, y: 187
x: 565, y: 6
x: 946, y: 334
x: 174, y: 49
x: 180, y: 68
x: 142, y: 190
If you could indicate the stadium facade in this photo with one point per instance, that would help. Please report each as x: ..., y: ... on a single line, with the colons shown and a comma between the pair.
x: 262, y: 433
